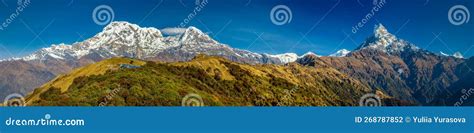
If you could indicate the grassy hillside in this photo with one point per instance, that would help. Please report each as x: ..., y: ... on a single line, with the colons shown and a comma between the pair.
x: 218, y: 81
x: 62, y: 82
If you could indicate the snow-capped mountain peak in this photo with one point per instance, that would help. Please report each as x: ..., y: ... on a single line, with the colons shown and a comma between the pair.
x: 122, y: 27
x: 118, y: 34
x: 116, y: 39
x: 123, y: 39
x: 193, y: 34
x: 285, y: 58
x: 380, y: 40
x: 381, y: 32
x: 340, y: 53
x: 309, y: 53
x: 385, y: 41
x: 455, y: 55
x: 55, y: 51
x: 118, y: 26
x: 192, y: 29
x: 458, y: 55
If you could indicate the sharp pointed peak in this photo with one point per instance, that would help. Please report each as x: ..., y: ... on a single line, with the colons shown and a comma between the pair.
x: 192, y: 29
x: 192, y: 33
x: 381, y: 31
x: 384, y: 40
x: 380, y: 26
x: 309, y: 53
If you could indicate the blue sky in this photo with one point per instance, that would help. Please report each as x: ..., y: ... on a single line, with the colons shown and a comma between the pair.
x: 319, y: 26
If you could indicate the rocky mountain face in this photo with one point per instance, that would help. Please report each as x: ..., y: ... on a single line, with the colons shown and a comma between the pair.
x: 397, y: 67
x: 461, y: 92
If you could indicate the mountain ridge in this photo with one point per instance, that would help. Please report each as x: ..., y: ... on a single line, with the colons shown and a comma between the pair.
x: 218, y: 80
x: 398, y: 67
x: 118, y: 39
x: 123, y: 39
x: 383, y: 62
